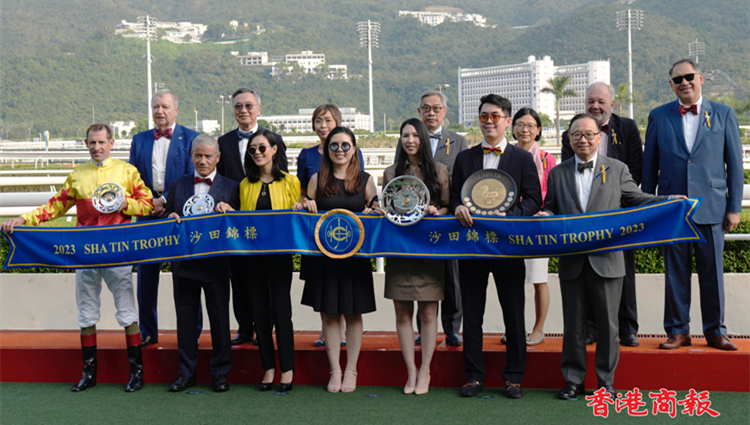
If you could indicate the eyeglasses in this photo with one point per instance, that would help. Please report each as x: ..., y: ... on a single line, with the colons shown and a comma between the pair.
x: 249, y: 106
x: 344, y: 146
x: 520, y: 126
x: 577, y: 136
x: 262, y: 149
x: 679, y: 78
x: 436, y: 109
x: 494, y: 117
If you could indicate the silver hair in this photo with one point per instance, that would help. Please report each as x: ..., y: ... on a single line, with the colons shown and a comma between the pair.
x: 600, y: 84
x: 162, y: 92
x: 205, y: 139
x: 246, y: 90
x: 695, y: 66
x: 428, y: 93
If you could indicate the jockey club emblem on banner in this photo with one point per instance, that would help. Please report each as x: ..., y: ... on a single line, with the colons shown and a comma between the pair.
x: 339, y: 233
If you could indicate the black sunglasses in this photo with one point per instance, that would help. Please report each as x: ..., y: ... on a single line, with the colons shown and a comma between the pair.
x: 252, y: 149
x: 678, y: 79
x: 344, y: 147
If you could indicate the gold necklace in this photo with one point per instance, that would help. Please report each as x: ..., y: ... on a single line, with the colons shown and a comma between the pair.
x: 263, y: 187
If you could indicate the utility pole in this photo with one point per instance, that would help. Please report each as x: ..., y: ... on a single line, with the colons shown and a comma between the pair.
x: 368, y: 37
x: 631, y: 19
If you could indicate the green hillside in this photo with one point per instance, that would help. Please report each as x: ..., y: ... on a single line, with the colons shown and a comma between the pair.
x: 60, y: 59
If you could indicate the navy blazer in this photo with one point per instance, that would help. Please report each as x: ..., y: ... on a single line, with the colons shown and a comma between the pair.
x: 230, y: 164
x: 210, y: 269
x: 179, y: 162
x: 629, y: 147
x: 712, y: 169
x: 515, y: 161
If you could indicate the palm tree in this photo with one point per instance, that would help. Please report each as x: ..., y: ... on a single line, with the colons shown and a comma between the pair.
x: 557, y: 89
x: 622, y: 96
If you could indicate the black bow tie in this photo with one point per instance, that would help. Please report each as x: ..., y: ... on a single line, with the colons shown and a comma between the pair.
x: 584, y: 165
x: 605, y: 128
x: 244, y: 135
x: 437, y: 135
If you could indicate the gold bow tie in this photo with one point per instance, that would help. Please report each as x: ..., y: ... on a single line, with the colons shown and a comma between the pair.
x: 497, y: 150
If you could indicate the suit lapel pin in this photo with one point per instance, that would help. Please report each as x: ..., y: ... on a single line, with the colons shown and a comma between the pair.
x: 603, y: 174
x: 708, y: 119
x: 614, y: 138
x: 448, y: 146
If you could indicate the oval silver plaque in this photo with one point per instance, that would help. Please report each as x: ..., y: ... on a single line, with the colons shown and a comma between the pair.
x: 405, y: 200
x: 108, y: 198
x: 201, y: 203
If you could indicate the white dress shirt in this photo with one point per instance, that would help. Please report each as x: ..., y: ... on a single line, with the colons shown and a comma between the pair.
x: 604, y: 142
x: 203, y: 187
x: 492, y: 160
x: 584, y: 180
x: 434, y: 141
x: 243, y: 145
x: 690, y: 124
x: 159, y: 161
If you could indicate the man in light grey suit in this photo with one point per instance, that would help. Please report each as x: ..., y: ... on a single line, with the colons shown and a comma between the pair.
x: 589, y: 182
x: 445, y: 144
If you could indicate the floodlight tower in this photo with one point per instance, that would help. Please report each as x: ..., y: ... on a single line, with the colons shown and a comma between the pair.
x: 368, y: 37
x: 630, y: 19
x: 150, y: 29
x: 696, y: 48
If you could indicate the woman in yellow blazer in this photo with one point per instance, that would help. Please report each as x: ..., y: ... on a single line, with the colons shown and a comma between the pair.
x: 266, y: 187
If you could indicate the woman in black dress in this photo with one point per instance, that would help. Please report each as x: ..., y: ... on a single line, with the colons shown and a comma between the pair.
x: 335, y: 287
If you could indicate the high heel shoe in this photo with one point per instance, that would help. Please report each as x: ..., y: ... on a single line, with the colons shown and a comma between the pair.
x: 285, y: 388
x: 410, y: 389
x: 334, y: 388
x: 266, y: 386
x: 349, y: 388
x: 422, y: 391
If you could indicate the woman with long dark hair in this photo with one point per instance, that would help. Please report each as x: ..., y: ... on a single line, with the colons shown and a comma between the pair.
x: 266, y: 187
x: 416, y: 279
x: 336, y: 287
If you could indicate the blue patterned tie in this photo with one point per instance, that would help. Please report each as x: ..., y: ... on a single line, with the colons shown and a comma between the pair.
x: 244, y: 135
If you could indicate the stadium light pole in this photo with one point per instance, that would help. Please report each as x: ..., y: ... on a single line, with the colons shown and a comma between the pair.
x: 630, y: 19
x: 150, y: 25
x: 223, y: 100
x: 441, y: 87
x: 368, y: 37
x: 696, y: 48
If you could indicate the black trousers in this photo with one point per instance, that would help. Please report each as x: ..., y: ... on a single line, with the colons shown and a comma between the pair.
x: 271, y: 284
x: 628, y: 311
x: 242, y: 298
x: 509, y: 280
x: 450, y: 307
x: 188, y: 299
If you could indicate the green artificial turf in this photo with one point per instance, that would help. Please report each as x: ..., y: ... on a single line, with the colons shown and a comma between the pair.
x: 30, y: 403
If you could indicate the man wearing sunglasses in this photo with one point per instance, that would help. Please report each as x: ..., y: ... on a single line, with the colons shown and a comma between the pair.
x: 693, y: 146
x: 445, y: 146
x: 620, y: 140
x: 495, y: 152
x: 233, y: 146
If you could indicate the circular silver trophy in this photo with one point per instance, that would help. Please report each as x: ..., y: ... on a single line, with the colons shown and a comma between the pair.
x: 108, y: 198
x: 405, y: 200
x: 202, y: 203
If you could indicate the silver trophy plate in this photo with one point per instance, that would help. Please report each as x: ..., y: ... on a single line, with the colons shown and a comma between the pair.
x: 108, y: 198
x: 405, y: 200
x: 202, y: 203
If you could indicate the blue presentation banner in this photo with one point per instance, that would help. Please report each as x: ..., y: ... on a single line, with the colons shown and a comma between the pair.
x: 288, y: 232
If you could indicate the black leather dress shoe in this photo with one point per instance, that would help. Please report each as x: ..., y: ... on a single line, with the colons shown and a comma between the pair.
x: 611, y: 390
x: 182, y: 383
x: 418, y: 341
x: 629, y: 340
x: 472, y: 389
x: 571, y: 391
x: 220, y: 383
x: 453, y: 340
x: 148, y: 340
x: 513, y: 390
x: 240, y: 339
x: 590, y: 339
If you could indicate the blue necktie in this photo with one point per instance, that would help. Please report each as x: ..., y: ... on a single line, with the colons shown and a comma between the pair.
x: 244, y: 135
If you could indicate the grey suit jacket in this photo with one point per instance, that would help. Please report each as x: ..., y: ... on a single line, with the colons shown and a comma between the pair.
x: 619, y: 191
x: 449, y: 145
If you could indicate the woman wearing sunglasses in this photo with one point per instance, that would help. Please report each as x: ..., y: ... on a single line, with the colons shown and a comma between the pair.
x: 527, y: 129
x: 325, y: 118
x: 266, y: 187
x: 415, y: 279
x: 341, y: 286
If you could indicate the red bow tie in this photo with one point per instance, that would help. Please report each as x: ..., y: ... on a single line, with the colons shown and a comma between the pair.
x: 497, y: 150
x: 684, y: 110
x: 158, y: 134
x: 207, y: 180
x: 605, y: 128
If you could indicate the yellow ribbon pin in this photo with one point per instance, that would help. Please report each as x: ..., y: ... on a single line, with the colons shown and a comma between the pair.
x: 448, y: 146
x: 708, y: 121
x: 614, y: 137
x: 604, y: 175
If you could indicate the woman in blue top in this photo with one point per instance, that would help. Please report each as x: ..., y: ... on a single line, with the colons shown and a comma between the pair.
x: 324, y: 119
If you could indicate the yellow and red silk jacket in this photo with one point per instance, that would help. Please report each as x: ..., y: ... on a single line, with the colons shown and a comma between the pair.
x: 80, y: 186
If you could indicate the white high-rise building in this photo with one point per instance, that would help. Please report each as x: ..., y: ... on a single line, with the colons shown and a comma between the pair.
x: 303, y: 121
x: 522, y: 84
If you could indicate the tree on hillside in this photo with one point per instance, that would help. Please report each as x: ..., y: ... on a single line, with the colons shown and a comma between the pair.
x: 557, y: 89
x: 622, y: 96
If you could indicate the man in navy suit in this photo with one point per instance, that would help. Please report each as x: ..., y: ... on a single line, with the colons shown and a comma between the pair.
x: 161, y: 155
x: 495, y: 152
x: 233, y: 147
x: 693, y: 147
x: 620, y: 140
x: 210, y: 274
